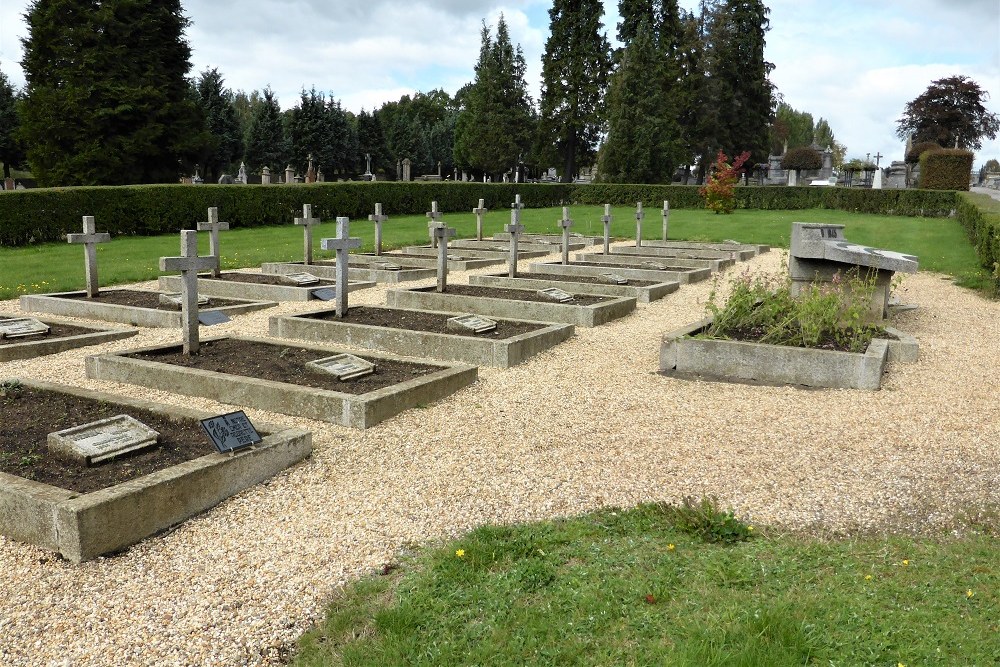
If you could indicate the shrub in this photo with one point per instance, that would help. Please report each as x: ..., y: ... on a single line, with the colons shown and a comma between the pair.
x: 918, y: 149
x: 980, y: 216
x: 703, y: 519
x: 719, y: 191
x: 801, y: 158
x: 946, y: 169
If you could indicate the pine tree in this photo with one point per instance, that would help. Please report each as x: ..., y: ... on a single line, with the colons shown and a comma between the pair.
x: 266, y: 143
x: 371, y: 140
x: 575, y: 69
x: 11, y: 149
x: 223, y: 125
x: 106, y: 100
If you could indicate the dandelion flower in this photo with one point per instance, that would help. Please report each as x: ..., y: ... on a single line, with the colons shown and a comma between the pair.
x: 749, y: 529
x: 969, y: 593
x: 670, y: 547
x: 460, y: 553
x: 868, y: 577
x: 905, y: 563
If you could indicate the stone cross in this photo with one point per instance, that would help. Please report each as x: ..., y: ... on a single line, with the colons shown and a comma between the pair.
x: 307, y: 222
x: 515, y: 215
x: 342, y: 244
x: 480, y: 211
x: 88, y: 239
x: 189, y: 264
x: 514, y: 229
x: 606, y: 219
x: 442, y: 234
x: 378, y: 219
x: 565, y: 223
x: 435, y: 215
x: 213, y: 226
x: 639, y: 215
x: 666, y: 217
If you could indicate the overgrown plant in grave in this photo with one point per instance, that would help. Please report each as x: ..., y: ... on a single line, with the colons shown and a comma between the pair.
x: 719, y: 192
x: 825, y: 315
x: 704, y: 519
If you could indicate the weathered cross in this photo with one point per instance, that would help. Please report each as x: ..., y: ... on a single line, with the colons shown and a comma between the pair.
x: 435, y: 215
x: 307, y: 222
x: 666, y: 217
x: 639, y: 215
x: 189, y: 264
x: 515, y: 208
x: 342, y: 244
x: 441, y: 235
x: 213, y: 226
x: 565, y: 223
x: 88, y: 239
x: 378, y: 219
x: 514, y: 229
x: 606, y: 219
x: 480, y: 211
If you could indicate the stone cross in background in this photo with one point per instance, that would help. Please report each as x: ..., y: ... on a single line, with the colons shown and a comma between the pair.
x: 606, y: 219
x: 666, y: 218
x: 342, y: 244
x: 639, y: 215
x: 189, y: 264
x: 515, y: 210
x: 378, y: 219
x: 307, y: 222
x: 565, y: 223
x: 514, y: 229
x: 435, y: 215
x: 480, y: 211
x: 88, y: 239
x: 441, y: 235
x: 213, y: 226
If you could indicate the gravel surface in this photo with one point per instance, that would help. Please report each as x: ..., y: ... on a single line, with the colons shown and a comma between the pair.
x: 587, y: 424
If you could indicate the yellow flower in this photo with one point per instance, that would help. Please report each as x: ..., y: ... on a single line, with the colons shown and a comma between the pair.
x: 670, y: 547
x: 868, y: 577
x: 460, y: 553
x: 969, y: 593
x: 905, y: 563
x: 750, y: 529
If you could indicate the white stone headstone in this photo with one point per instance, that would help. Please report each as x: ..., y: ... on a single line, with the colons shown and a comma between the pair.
x: 343, y: 366
x: 475, y: 323
x: 555, y: 294
x: 102, y: 440
x: 19, y: 327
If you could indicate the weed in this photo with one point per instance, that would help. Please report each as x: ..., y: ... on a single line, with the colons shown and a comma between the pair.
x: 705, y: 520
x: 12, y: 388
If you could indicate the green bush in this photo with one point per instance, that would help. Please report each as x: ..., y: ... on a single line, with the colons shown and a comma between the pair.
x: 946, y: 169
x: 980, y: 216
x: 916, y: 150
x: 802, y: 157
x: 705, y: 520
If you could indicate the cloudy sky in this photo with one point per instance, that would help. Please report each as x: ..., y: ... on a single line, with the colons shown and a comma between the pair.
x: 854, y: 63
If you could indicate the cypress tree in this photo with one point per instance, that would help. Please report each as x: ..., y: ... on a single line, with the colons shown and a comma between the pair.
x: 371, y: 140
x: 223, y: 126
x: 266, y: 144
x: 11, y: 149
x: 575, y: 69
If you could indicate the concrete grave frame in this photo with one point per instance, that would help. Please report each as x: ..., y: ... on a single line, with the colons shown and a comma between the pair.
x: 678, y: 260
x: 467, y: 263
x: 523, y: 245
x: 84, y: 526
x: 477, y: 253
x: 642, y: 294
x: 229, y: 289
x: 736, y: 255
x: 353, y: 410
x: 329, y: 272
x: 682, y: 275
x: 724, y: 246
x: 554, y: 239
x: 30, y: 349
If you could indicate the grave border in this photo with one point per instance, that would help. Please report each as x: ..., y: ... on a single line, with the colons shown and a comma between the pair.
x: 683, y: 277
x: 41, y: 348
x: 637, y: 258
x: 229, y: 289
x: 329, y: 272
x: 642, y: 293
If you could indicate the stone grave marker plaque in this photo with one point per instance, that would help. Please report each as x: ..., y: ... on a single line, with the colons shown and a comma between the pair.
x: 325, y: 294
x: 499, y: 248
x: 614, y: 279
x: 476, y: 323
x: 656, y: 266
x: 456, y: 258
x: 555, y: 294
x: 102, y: 440
x: 173, y: 300
x: 231, y: 431
x: 343, y: 366
x: 211, y: 317
x: 300, y: 278
x: 387, y: 266
x: 19, y: 327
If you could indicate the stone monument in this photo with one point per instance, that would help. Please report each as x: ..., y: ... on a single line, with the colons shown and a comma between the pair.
x: 606, y: 219
x: 639, y: 215
x: 515, y: 228
x: 213, y: 226
x: 666, y: 218
x: 189, y: 264
x: 88, y: 238
x: 341, y: 244
x: 378, y: 219
x: 566, y: 223
x: 441, y: 235
x: 307, y: 222
x: 479, y: 212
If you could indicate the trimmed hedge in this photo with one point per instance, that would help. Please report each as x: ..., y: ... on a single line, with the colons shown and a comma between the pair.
x: 980, y: 215
x: 913, y: 155
x: 803, y: 157
x: 946, y: 169
x: 35, y: 216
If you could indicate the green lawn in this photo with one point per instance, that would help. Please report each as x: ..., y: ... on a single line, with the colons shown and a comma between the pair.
x: 632, y: 588
x: 941, y: 244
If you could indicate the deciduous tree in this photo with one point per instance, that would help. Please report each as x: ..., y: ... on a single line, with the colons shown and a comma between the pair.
x: 951, y: 112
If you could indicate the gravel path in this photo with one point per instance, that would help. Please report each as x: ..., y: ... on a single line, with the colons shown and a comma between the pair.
x: 589, y: 423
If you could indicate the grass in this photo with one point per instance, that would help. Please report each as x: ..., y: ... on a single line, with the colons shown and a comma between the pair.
x: 940, y: 244
x: 633, y: 588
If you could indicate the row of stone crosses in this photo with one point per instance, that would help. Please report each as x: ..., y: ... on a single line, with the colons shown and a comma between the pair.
x: 190, y: 264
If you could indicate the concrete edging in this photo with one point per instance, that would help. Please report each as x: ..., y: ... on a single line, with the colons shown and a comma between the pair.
x: 638, y: 256
x: 228, y: 289
x: 643, y: 294
x: 329, y: 272
x: 466, y: 264
x: 40, y: 348
x: 753, y: 248
x: 683, y: 277
x: 84, y: 526
x: 477, y: 253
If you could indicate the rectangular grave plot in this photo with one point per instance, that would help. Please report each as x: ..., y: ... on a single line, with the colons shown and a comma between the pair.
x: 476, y: 323
x: 555, y: 294
x: 343, y: 366
x: 20, y: 327
x: 300, y: 278
x: 102, y: 440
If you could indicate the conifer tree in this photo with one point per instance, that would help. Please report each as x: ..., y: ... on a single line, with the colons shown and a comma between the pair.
x: 266, y: 143
x: 225, y: 143
x: 371, y: 140
x: 11, y: 149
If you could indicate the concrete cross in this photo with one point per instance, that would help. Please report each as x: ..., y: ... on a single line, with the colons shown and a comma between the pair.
x: 480, y: 211
x: 442, y: 234
x: 435, y: 215
x: 515, y: 228
x: 565, y: 223
x: 666, y: 217
x: 639, y: 215
x: 307, y: 222
x: 606, y: 219
x: 342, y: 244
x: 378, y: 219
x: 213, y: 226
x: 88, y: 239
x: 515, y: 208
x: 189, y: 264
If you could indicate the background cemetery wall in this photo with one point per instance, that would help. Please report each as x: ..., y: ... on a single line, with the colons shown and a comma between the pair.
x: 36, y: 216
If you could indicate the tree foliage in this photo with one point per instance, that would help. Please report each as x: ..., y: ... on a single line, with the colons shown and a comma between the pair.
x: 225, y: 144
x: 802, y: 157
x: 266, y: 142
x: 790, y: 127
x: 322, y: 129
x: 11, y: 148
x: 951, y: 112
x: 916, y: 150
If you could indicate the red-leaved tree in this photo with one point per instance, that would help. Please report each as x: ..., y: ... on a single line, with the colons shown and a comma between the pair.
x: 719, y: 192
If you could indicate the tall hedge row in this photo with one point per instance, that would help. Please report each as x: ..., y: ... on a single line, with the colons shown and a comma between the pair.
x: 946, y: 169
x: 980, y: 215
x: 34, y: 216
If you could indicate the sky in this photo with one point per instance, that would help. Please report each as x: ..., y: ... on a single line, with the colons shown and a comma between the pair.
x: 854, y: 63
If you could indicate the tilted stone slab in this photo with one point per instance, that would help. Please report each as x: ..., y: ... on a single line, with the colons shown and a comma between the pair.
x: 371, y: 272
x: 354, y: 410
x: 231, y: 289
x: 481, y: 351
x: 30, y: 349
x: 642, y: 294
x: 535, y: 311
x: 671, y: 260
x: 682, y: 276
x: 84, y: 526
x: 60, y: 304
x: 827, y: 242
x: 102, y: 440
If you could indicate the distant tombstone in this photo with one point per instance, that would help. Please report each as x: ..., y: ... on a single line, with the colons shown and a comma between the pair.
x: 241, y: 176
x: 479, y: 212
x: 555, y: 294
x: 435, y: 221
x: 639, y: 215
x: 102, y: 440
x: 666, y: 218
x: 441, y: 236
x: 343, y: 366
x: 8, y: 184
x: 307, y: 222
x: 439, y: 169
x: 406, y: 169
x: 341, y: 244
x: 189, y: 264
x: 515, y: 229
x: 265, y: 176
x: 289, y: 174
x: 473, y: 323
x: 20, y: 327
x: 88, y: 238
x: 793, y: 177
x: 310, y: 171
x: 320, y: 178
x: 399, y: 170
x: 877, y: 181
x: 212, y: 226
x: 606, y: 219
x: 378, y: 219
x: 226, y: 179
x: 566, y: 223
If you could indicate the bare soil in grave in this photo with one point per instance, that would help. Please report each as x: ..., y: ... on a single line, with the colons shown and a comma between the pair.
x: 284, y: 363
x: 143, y: 299
x: 517, y: 295
x: 604, y: 265
x: 395, y: 318
x: 828, y: 340
x: 579, y: 279
x: 29, y: 415
x: 55, y: 331
x: 265, y: 279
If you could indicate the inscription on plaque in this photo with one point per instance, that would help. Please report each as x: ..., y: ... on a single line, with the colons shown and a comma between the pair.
x: 656, y: 266
x: 325, y: 294
x: 343, y: 366
x: 555, y: 294
x: 231, y: 431
x: 614, y: 279
x: 301, y: 278
x: 19, y: 327
x: 212, y: 317
x: 102, y: 440
x: 173, y: 300
x: 476, y: 323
